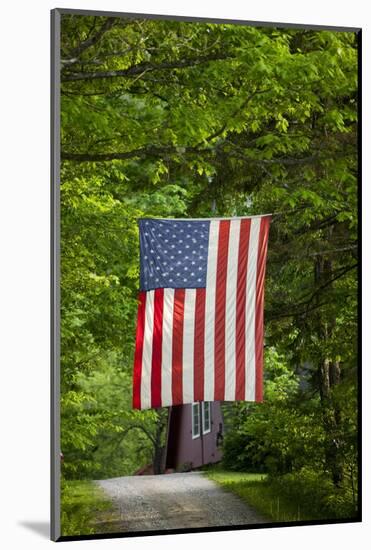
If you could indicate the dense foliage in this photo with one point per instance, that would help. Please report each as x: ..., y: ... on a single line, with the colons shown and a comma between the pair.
x: 169, y: 118
x: 86, y: 509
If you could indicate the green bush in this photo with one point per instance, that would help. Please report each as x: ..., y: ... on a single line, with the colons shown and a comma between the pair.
x: 236, y: 456
x: 316, y: 495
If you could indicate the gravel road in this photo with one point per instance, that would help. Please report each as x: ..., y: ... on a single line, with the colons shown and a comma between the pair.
x: 175, y: 501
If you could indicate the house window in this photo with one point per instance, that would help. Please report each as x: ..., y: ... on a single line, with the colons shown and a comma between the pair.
x: 196, y: 420
x: 206, y: 417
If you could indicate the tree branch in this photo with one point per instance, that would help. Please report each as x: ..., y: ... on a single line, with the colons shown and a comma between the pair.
x: 135, y: 70
x: 141, y: 152
x: 157, y: 151
x: 270, y: 316
x: 76, y: 52
x: 287, y: 161
x: 330, y: 281
x: 141, y: 428
x: 217, y: 133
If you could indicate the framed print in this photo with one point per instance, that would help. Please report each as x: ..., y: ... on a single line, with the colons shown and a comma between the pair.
x: 205, y: 274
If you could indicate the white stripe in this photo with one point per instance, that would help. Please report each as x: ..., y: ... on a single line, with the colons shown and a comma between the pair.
x: 250, y: 310
x: 210, y: 310
x: 145, y: 388
x: 167, y: 347
x: 230, y: 311
x: 188, y: 343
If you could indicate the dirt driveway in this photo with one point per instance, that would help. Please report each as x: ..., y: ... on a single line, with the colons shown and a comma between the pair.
x: 174, y: 501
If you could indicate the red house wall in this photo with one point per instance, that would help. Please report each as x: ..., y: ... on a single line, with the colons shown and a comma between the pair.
x: 182, y: 448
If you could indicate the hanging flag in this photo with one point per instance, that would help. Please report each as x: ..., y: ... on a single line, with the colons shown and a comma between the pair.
x: 200, y: 315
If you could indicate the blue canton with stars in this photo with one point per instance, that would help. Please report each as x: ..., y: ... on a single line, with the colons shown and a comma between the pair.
x: 173, y: 254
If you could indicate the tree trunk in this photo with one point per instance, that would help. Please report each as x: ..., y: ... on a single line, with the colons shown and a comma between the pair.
x: 329, y: 373
x: 159, y: 447
x: 331, y: 419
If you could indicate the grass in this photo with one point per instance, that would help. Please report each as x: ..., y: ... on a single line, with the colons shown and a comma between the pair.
x: 285, y: 499
x: 85, y: 509
x: 253, y: 489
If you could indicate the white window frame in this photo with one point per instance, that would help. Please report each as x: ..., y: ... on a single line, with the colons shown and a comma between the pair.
x: 204, y: 430
x: 196, y: 406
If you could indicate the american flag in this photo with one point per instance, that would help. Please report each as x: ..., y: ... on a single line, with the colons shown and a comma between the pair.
x: 200, y: 315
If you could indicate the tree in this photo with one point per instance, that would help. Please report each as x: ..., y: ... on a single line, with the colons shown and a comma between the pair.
x: 167, y: 118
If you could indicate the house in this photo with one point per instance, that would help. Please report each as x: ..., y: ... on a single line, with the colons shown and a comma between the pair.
x: 195, y: 434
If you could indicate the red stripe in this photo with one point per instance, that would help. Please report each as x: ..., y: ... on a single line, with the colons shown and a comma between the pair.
x: 157, y: 348
x: 177, y: 356
x: 139, y: 350
x: 243, y: 254
x: 199, y: 342
x: 220, y: 299
x: 259, y: 307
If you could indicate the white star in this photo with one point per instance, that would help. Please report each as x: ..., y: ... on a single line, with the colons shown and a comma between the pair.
x: 200, y: 269
x: 180, y: 241
x: 185, y: 280
x: 146, y: 257
x: 146, y: 234
x: 201, y: 245
x: 188, y: 236
x: 192, y: 274
x: 156, y: 280
x: 178, y: 274
x: 193, y: 263
x: 166, y: 240
x: 152, y: 251
x: 186, y: 269
x: 158, y: 257
x: 179, y: 251
x: 165, y: 263
x: 187, y: 246
x: 199, y: 280
x: 151, y: 274
x: 173, y: 246
x: 186, y: 257
x: 171, y: 280
x: 172, y: 257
